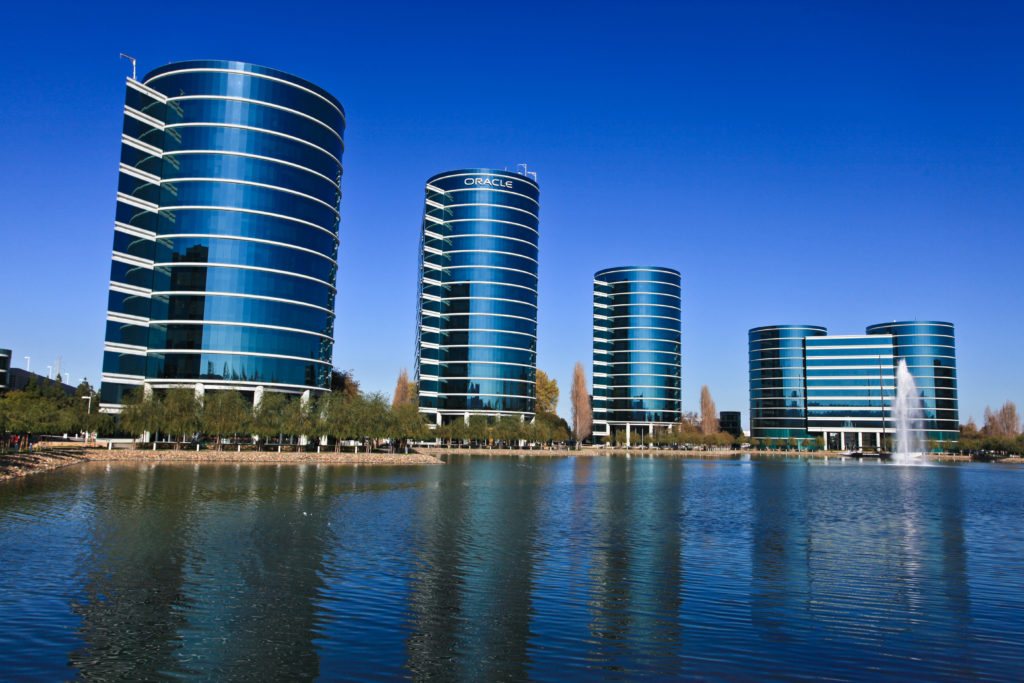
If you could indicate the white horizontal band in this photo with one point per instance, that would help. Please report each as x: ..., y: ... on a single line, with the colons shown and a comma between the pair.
x: 251, y: 74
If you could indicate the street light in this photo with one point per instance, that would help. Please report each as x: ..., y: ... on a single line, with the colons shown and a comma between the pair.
x: 28, y: 363
x: 88, y: 408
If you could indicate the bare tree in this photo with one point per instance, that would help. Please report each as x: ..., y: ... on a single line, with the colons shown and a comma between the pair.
x: 582, y: 420
x: 402, y: 394
x: 708, y: 416
x: 1002, y: 423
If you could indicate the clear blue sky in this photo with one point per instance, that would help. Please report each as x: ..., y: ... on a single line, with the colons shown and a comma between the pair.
x: 817, y: 162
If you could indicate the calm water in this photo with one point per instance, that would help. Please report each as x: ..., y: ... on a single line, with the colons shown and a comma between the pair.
x: 507, y: 568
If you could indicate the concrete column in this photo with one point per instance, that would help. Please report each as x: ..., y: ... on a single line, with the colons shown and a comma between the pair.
x: 627, y: 435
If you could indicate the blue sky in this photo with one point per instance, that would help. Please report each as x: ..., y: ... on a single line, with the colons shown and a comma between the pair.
x: 834, y: 163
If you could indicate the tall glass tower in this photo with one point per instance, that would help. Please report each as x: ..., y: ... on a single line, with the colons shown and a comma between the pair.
x: 477, y: 318
x: 637, y: 348
x: 226, y: 232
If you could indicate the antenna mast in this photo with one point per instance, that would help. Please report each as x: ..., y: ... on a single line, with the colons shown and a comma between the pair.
x: 132, y: 60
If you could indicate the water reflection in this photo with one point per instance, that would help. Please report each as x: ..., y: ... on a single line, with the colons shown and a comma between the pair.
x: 513, y: 568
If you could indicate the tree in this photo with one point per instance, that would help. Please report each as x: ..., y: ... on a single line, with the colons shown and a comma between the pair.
x: 547, y: 393
x: 268, y: 417
x: 224, y: 413
x: 408, y: 423
x: 343, y: 382
x: 708, y: 416
x: 582, y: 420
x: 509, y: 430
x: 141, y: 412
x: 181, y: 412
x: 405, y: 390
x: 478, y: 428
x: 1003, y: 423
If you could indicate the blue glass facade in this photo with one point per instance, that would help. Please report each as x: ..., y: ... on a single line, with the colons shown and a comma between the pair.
x: 5, y: 367
x: 929, y: 347
x: 637, y: 347
x: 778, y: 406
x: 226, y: 231
x: 477, y: 318
x: 851, y: 381
x: 807, y: 384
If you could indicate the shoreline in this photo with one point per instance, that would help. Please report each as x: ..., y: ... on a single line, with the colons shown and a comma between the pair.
x: 14, y: 466
x: 59, y: 455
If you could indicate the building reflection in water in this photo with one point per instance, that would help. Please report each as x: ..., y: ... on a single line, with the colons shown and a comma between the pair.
x: 205, y: 571
x: 470, y: 594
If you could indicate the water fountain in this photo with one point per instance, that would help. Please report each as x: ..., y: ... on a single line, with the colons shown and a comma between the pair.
x: 907, y: 412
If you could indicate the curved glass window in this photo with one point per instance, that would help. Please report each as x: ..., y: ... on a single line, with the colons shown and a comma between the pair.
x: 241, y: 252
x: 489, y: 322
x: 126, y: 333
x: 484, y: 354
x: 512, y: 404
x: 497, y: 275
x: 233, y: 368
x: 487, y: 213
x: 216, y: 194
x: 238, y: 338
x: 484, y: 338
x: 457, y: 232
x: 242, y: 281
x: 484, y: 258
x: 261, y: 143
x: 236, y: 167
x: 234, y: 309
x: 255, y: 226
x: 248, y: 87
x: 259, y: 115
x: 470, y: 196
x: 486, y: 386
x: 129, y: 274
x: 456, y: 306
x: 489, y: 371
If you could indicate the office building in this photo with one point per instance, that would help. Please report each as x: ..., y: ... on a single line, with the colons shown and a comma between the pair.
x: 5, y: 367
x: 806, y: 384
x: 477, y: 318
x: 637, y: 349
x: 226, y: 232
x: 729, y: 422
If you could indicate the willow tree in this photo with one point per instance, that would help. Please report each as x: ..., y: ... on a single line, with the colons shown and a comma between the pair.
x: 224, y: 412
x: 708, y: 417
x: 582, y: 419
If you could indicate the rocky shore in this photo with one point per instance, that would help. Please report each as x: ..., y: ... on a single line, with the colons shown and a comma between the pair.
x: 61, y: 455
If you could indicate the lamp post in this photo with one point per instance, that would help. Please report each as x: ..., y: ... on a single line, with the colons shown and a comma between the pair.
x: 88, y: 410
x: 28, y: 363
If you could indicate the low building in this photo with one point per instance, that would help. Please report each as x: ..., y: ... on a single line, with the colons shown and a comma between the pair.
x: 18, y: 380
x: 808, y: 385
x: 5, y: 367
x: 729, y: 422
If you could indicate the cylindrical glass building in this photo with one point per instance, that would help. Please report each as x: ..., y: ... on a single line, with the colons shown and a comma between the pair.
x: 778, y: 401
x: 477, y: 329
x: 226, y: 232
x: 929, y: 348
x: 637, y: 374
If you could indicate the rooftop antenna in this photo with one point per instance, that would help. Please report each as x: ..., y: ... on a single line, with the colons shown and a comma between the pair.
x: 525, y: 172
x: 132, y: 60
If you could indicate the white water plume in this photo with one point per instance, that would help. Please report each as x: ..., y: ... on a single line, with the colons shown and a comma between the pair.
x: 907, y: 414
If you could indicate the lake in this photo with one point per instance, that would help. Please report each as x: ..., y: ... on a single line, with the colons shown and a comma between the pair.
x: 506, y: 568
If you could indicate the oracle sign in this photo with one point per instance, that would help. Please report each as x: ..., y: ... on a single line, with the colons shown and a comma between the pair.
x: 492, y: 182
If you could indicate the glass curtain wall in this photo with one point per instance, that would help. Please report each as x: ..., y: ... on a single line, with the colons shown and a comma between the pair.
x: 226, y: 231
x: 637, y: 347
x: 477, y: 307
x: 778, y: 401
x: 929, y: 348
